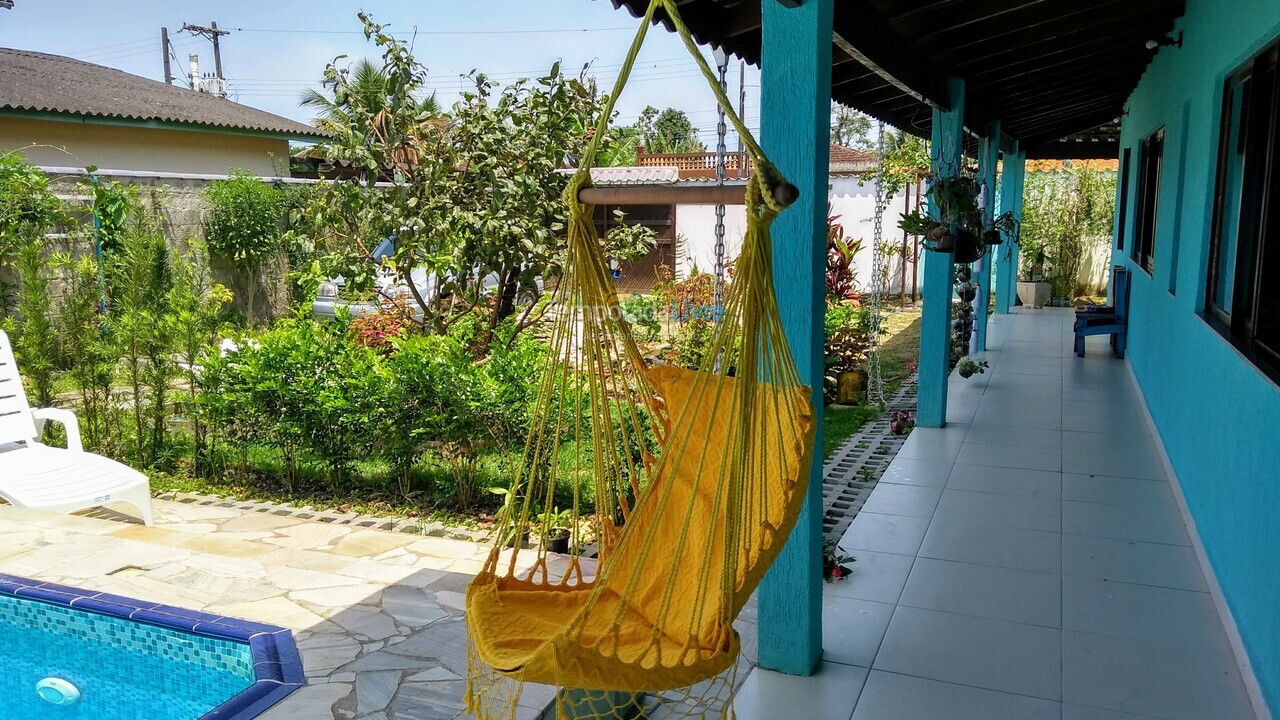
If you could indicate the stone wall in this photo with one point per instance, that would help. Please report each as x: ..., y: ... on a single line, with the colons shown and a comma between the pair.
x: 183, y: 209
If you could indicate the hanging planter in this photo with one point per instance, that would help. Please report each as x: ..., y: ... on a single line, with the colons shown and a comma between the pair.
x: 969, y: 247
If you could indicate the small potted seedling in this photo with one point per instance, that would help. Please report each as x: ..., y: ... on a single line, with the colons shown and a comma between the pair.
x: 504, y: 521
x: 902, y: 422
x: 559, y: 530
x: 968, y: 368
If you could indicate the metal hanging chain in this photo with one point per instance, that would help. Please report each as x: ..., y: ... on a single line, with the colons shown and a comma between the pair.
x: 875, y: 383
x: 722, y: 70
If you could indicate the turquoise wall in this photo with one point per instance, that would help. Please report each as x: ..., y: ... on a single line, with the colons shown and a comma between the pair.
x: 1218, y: 416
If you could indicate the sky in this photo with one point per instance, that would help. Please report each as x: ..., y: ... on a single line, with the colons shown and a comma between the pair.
x: 278, y: 47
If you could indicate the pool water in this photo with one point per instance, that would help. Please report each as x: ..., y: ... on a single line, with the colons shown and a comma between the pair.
x: 124, y: 670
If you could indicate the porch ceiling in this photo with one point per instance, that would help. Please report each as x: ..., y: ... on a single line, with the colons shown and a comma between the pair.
x: 1050, y: 71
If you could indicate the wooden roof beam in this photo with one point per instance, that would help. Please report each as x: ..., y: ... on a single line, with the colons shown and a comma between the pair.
x: 1132, y: 19
x: 861, y: 33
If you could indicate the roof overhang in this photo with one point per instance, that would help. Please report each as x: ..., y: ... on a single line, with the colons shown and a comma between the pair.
x: 1046, y: 69
x: 152, y: 123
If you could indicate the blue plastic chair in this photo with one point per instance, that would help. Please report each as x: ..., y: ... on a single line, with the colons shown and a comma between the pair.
x: 1110, y: 319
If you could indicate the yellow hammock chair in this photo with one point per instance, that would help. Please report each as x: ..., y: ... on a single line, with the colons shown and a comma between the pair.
x: 696, y: 480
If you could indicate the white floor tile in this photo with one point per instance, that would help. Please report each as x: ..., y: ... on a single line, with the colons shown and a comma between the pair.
x: 959, y: 540
x: 1163, y: 680
x: 1118, y: 491
x: 909, y: 500
x: 1009, y: 481
x: 1030, y: 458
x: 1143, y: 612
x: 878, y: 577
x: 890, y: 696
x: 852, y: 629
x: 906, y: 471
x: 884, y: 533
x: 1172, y: 566
x: 1014, y: 436
x: 994, y: 509
x: 985, y: 591
x: 1142, y: 524
x: 991, y: 654
x: 829, y: 694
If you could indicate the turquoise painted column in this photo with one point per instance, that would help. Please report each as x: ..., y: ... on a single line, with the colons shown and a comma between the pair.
x: 988, y: 158
x: 945, y: 151
x: 795, y: 99
x: 1010, y: 192
x: 1011, y: 183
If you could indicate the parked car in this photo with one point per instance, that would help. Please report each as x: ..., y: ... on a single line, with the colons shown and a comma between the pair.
x: 329, y: 296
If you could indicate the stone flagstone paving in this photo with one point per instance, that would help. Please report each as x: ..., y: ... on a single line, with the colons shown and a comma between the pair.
x: 377, y: 615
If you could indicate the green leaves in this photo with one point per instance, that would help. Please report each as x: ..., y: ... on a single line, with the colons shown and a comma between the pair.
x: 246, y: 218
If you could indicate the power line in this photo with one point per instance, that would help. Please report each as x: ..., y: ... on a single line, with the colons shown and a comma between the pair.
x: 532, y: 31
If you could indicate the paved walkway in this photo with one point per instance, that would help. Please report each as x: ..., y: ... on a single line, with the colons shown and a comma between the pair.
x: 1026, y: 562
x: 377, y: 615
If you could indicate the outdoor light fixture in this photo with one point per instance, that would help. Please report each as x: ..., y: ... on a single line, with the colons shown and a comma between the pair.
x: 1165, y: 41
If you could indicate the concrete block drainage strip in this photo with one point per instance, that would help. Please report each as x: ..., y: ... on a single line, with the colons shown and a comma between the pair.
x: 852, y: 471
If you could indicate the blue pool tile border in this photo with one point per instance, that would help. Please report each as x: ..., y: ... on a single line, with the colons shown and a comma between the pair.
x: 277, y: 667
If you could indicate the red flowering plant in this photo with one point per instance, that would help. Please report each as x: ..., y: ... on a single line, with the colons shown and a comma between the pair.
x: 842, y: 279
x: 380, y: 330
x: 835, y: 564
x: 902, y: 422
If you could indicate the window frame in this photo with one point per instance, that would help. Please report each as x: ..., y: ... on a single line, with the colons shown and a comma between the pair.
x: 1122, y: 212
x: 1147, y: 200
x: 1257, y: 209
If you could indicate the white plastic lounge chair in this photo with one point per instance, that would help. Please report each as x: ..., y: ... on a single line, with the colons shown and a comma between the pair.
x: 40, y: 477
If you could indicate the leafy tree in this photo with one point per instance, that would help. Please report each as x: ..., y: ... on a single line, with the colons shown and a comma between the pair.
x: 245, y: 225
x: 851, y: 129
x: 1067, y: 207
x: 472, y: 200
x: 668, y: 131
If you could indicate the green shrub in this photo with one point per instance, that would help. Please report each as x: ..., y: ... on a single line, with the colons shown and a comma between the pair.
x: 37, y: 342
x: 245, y: 225
x: 429, y: 393
x: 89, y: 354
x: 301, y: 386
x: 642, y: 312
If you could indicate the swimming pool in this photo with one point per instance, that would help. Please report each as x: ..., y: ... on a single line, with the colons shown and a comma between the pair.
x: 70, y: 654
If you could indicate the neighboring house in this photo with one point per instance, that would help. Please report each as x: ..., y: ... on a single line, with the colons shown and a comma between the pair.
x: 851, y: 197
x: 63, y: 112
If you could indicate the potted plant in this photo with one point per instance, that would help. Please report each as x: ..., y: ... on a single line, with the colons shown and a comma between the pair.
x: 559, y: 530
x: 1034, y: 289
x: 902, y: 422
x: 848, y: 339
x: 968, y: 368
x: 957, y: 227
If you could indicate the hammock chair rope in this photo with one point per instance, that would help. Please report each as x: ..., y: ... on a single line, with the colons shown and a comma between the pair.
x: 695, y: 479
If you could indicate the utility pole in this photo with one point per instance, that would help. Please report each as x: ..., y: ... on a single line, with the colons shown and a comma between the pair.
x: 213, y: 33
x: 165, y: 50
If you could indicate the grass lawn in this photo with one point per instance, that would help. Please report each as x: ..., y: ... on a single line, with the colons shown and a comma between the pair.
x: 900, y: 347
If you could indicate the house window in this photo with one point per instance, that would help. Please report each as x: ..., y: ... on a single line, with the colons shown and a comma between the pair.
x: 1150, y: 158
x: 1242, y: 298
x: 1122, y: 217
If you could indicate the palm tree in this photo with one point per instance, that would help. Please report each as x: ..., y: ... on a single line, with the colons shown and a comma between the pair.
x: 361, y: 96
x: 364, y: 85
